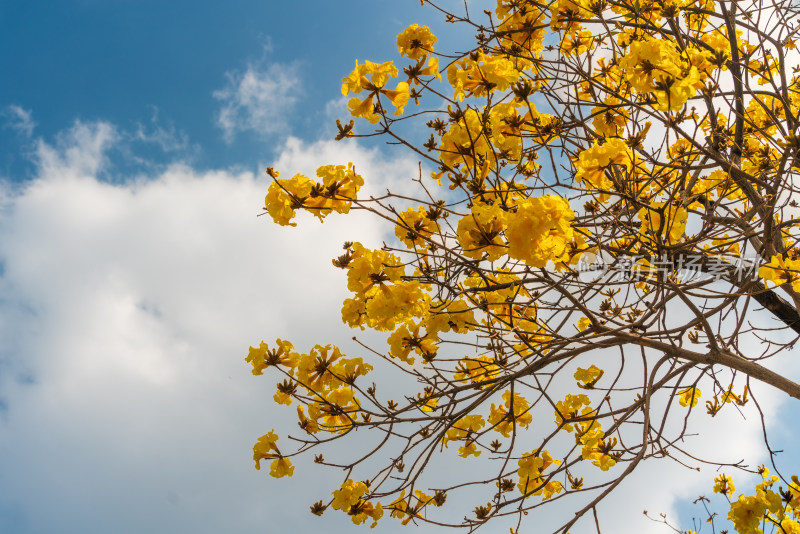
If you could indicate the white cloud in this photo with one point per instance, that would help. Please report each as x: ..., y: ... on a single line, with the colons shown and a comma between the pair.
x: 167, y: 137
x: 19, y: 119
x: 78, y: 152
x: 258, y: 100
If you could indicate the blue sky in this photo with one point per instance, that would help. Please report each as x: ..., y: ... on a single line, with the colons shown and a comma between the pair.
x: 127, y: 62
x: 134, y: 272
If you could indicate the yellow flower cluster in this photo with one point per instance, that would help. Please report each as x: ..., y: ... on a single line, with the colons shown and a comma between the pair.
x: 325, y: 375
x: 479, y: 371
x: 480, y: 232
x: 349, y: 499
x: 724, y: 484
x: 594, y: 162
x: 540, y: 230
x: 781, y: 271
x: 666, y: 222
x: 265, y: 449
x: 335, y: 192
x: 480, y: 74
x: 383, y: 299
x: 465, y: 429
x: 571, y: 407
x: 373, y: 77
x: 415, y: 225
x: 415, y: 41
x: 596, y: 447
x: 532, y: 480
x: 587, y: 378
x: 610, y: 117
x: 778, y: 508
x: 537, y: 231
x: 655, y: 66
x: 522, y: 25
x: 514, y: 411
x: 413, y: 505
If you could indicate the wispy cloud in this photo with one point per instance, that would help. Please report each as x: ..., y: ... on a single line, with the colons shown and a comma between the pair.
x: 258, y: 100
x: 79, y: 151
x: 19, y: 119
x: 165, y: 136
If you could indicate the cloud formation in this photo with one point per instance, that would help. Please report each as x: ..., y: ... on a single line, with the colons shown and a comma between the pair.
x: 259, y: 100
x: 19, y: 119
x: 167, y: 137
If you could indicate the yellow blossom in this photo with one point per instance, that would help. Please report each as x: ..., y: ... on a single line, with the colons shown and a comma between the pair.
x: 587, y: 378
x: 724, y: 484
x: 415, y: 41
x: 747, y: 514
x: 348, y: 494
x: 689, y: 396
x: 284, y: 196
x: 263, y: 448
x: 505, y: 419
x: 281, y: 467
x: 540, y: 230
x: 480, y: 232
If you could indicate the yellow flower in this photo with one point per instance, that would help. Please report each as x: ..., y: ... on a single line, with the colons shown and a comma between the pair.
x: 281, y: 467
x: 284, y: 196
x: 469, y: 449
x: 790, y: 526
x: 480, y: 232
x: 338, y: 189
x: 463, y: 428
x: 363, y: 108
x: 665, y: 220
x: 415, y: 41
x: 378, y: 73
x: 399, y: 506
x: 309, y: 425
x: 540, y: 230
x: 609, y: 119
x: 430, y: 404
x: 593, y: 162
x: 348, y: 495
x: 689, y: 396
x: 414, y: 226
x: 572, y: 406
x: 530, y: 473
x: 476, y: 370
x: 505, y: 419
x: 263, y: 448
x: 399, y: 96
x: 588, y: 377
x: 584, y: 323
x: 780, y: 271
x: 363, y: 510
x: 724, y: 484
x: 482, y: 74
x: 281, y: 397
x: 746, y: 514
